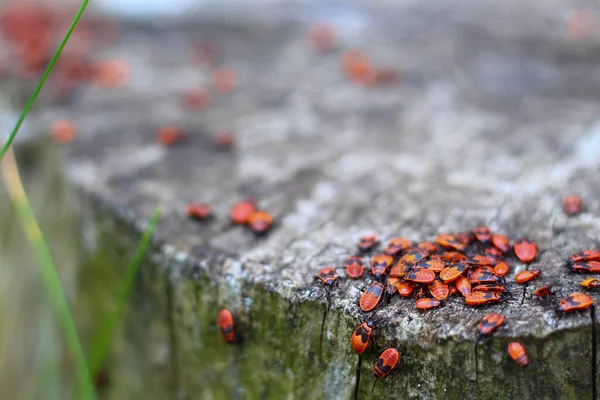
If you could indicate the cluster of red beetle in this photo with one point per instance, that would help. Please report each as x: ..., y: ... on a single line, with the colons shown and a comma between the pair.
x: 469, y: 263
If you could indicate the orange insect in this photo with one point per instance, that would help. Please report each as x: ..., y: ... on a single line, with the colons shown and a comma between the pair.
x: 481, y: 298
x: 465, y: 237
x: 405, y: 289
x: 526, y: 276
x: 371, y: 297
x: 199, y: 211
x: 489, y: 287
x: 322, y: 37
x: 525, y: 250
x: 482, y: 275
x: 482, y: 233
x: 463, y: 286
x: 590, y: 283
x: 355, y: 267
x: 501, y: 269
x: 397, y: 245
x: 327, y: 276
x: 427, y: 303
x: 586, y: 255
x: 260, y: 222
x: 111, y: 73
x: 63, y: 131
x: 380, y: 263
x: 391, y: 288
x: 501, y: 242
x: 224, y: 80
x: 439, y: 290
x: 358, y: 67
x: 433, y: 264
x: 362, y: 336
x: 544, y: 291
x: 517, y: 352
x: 453, y: 257
x: 400, y: 269
x: 196, y: 99
x: 413, y: 256
x: 575, y: 302
x: 494, y: 254
x: 367, y: 242
x: 386, y: 362
x: 572, y: 205
x: 224, y: 140
x: 169, y: 135
x: 450, y: 241
x: 592, y: 267
x: 450, y: 274
x: 479, y: 260
x: 490, y: 323
x: 241, y: 212
x: 225, y: 323
x: 427, y: 247
x: 421, y: 276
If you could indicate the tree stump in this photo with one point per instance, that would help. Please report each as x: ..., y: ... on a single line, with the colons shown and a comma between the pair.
x: 494, y: 119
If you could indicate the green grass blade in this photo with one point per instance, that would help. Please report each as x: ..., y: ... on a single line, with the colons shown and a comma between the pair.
x: 40, y: 84
x: 101, y: 344
x: 48, y: 273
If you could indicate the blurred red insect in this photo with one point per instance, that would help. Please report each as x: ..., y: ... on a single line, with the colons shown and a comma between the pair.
x: 517, y: 352
x: 397, y: 245
x: 527, y: 276
x: 199, y: 211
x: 572, y: 205
x: 169, y: 135
x: 482, y: 233
x: 241, y: 212
x: 490, y: 323
x: 367, y: 242
x: 322, y: 37
x: 260, y: 222
x: 501, y: 242
x: 225, y: 323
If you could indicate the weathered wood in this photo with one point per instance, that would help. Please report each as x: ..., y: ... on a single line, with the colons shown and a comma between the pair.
x: 495, y: 118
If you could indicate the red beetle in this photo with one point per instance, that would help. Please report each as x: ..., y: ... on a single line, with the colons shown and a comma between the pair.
x: 479, y: 260
x: 427, y: 303
x: 517, y: 352
x: 405, y: 289
x: 355, y: 267
x: 439, y: 290
x: 481, y: 275
x: 367, y: 242
x: 422, y: 276
x: 400, y: 269
x: 450, y: 241
x: 525, y: 250
x: 397, y: 245
x: 380, y: 263
x: 386, y: 362
x: 482, y: 298
x: 482, y: 233
x: 453, y: 257
x: 463, y: 286
x: 260, y: 222
x: 501, y: 269
x: 544, y: 291
x: 501, y: 242
x: 450, y: 274
x: 361, y: 337
x: 526, y: 276
x: 413, y: 256
x: 591, y: 267
x: 490, y: 323
x: 575, y: 302
x: 489, y: 287
x: 391, y: 287
x: 225, y: 323
x: 427, y: 247
x: 327, y: 276
x: 371, y: 297
x: 435, y: 265
x: 584, y: 256
x: 573, y: 205
x: 199, y: 211
x: 420, y: 292
x: 241, y: 212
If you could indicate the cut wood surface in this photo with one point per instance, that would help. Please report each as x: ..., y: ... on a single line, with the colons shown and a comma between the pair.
x: 495, y: 118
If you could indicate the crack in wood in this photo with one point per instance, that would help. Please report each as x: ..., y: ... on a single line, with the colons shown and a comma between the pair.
x: 358, y: 370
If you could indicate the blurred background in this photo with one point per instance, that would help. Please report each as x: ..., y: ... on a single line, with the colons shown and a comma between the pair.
x: 182, y: 58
